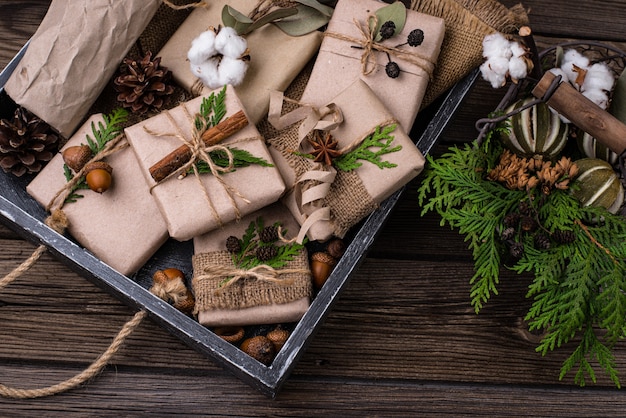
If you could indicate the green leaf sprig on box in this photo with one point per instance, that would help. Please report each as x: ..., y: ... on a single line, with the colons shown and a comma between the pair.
x: 578, y: 290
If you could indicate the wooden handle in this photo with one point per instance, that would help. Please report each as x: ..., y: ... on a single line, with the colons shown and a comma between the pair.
x: 181, y: 155
x: 585, y: 114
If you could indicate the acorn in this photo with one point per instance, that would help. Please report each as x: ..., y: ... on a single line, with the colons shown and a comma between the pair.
x: 75, y: 157
x: 336, y: 247
x: 259, y: 348
x: 98, y: 176
x: 321, y: 266
x: 278, y: 336
x: 230, y: 334
x: 174, y: 273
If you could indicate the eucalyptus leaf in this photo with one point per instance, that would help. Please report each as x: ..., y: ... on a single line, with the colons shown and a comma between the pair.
x: 307, y: 20
x: 558, y: 53
x: 271, y: 17
x: 235, y: 19
x: 618, y: 104
x: 314, y: 4
x: 395, y: 12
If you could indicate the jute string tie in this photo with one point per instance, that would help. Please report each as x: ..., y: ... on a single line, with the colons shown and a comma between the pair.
x: 201, y: 152
x: 369, y: 45
x: 262, y: 272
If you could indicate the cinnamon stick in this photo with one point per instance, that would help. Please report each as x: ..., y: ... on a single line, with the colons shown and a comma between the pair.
x: 585, y: 114
x: 181, y: 155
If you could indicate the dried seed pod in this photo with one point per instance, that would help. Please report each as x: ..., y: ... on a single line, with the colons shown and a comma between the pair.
x: 169, y: 285
x: 77, y: 156
x: 321, y: 266
x: 278, y: 336
x: 230, y: 334
x: 98, y: 176
x: 259, y: 348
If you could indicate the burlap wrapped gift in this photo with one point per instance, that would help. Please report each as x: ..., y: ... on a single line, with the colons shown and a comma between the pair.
x: 248, y: 301
x: 123, y: 226
x: 275, y: 57
x: 193, y: 205
x: 348, y: 53
x: 326, y: 201
x: 72, y: 56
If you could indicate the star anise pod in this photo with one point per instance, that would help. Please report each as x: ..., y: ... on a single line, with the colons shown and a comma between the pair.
x: 324, y: 147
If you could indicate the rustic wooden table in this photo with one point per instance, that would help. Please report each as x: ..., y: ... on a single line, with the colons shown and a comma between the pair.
x: 402, y: 339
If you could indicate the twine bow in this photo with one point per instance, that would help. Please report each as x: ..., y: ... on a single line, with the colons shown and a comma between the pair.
x: 201, y: 152
x: 261, y: 272
x: 368, y: 43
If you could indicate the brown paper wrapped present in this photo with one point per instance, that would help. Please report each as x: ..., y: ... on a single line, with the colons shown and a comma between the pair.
x: 196, y: 204
x: 275, y: 57
x: 123, y: 226
x: 75, y: 51
x: 341, y: 58
x: 328, y: 201
x: 248, y: 301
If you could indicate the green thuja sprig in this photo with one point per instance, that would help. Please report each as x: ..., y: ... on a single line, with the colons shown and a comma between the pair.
x: 578, y: 287
x: 103, y: 133
x: 380, y: 139
x: 246, y: 257
x: 212, y: 111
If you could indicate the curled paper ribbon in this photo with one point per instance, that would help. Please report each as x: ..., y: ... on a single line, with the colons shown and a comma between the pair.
x: 201, y: 152
x: 369, y: 45
x: 313, y: 186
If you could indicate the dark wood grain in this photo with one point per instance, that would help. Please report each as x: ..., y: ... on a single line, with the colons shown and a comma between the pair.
x: 401, y: 340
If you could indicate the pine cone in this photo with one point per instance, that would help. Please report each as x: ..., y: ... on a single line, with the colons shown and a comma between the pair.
x: 564, y: 237
x: 516, y: 250
x: 542, y: 241
x: 233, y: 245
x: 269, y: 234
x: 143, y: 84
x: 266, y: 253
x: 511, y: 219
x: 26, y: 143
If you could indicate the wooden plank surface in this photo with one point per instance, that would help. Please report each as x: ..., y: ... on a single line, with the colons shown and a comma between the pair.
x: 401, y: 340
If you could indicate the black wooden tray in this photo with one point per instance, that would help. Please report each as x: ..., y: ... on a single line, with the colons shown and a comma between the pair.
x: 24, y: 215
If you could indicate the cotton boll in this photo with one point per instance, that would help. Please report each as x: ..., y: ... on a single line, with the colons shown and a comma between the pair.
x: 598, y: 77
x: 496, y: 80
x: 208, y: 73
x: 572, y: 57
x: 496, y: 45
x: 202, y: 48
x: 232, y: 71
x: 518, y: 68
x: 230, y: 44
x: 499, y: 65
x: 517, y: 50
x: 599, y: 97
x: 559, y: 72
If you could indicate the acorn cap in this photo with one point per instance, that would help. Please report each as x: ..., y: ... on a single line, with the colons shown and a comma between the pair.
x: 75, y: 157
x: 324, y: 258
x: 259, y: 348
x: 98, y: 165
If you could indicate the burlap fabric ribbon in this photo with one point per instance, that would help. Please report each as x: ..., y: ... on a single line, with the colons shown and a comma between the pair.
x: 213, y: 289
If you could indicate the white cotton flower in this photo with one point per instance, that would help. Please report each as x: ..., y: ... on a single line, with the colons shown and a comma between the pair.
x: 228, y: 43
x: 517, y: 50
x: 496, y: 80
x: 202, y: 48
x: 232, y: 71
x: 598, y: 77
x: 572, y: 58
x: 599, y: 97
x: 518, y: 68
x: 499, y: 65
x: 496, y: 45
x: 208, y: 73
x: 559, y: 72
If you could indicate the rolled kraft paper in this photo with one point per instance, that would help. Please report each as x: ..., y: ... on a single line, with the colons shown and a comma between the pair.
x: 585, y: 114
x: 72, y: 56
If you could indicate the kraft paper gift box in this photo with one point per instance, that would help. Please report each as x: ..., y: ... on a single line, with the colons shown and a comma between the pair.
x: 123, y: 226
x: 275, y: 57
x: 194, y: 205
x: 249, y: 301
x: 75, y: 51
x: 328, y: 201
x: 338, y: 63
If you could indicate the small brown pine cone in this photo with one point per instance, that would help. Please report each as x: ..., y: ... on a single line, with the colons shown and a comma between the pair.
x: 508, y: 233
x: 564, y: 237
x: 516, y: 250
x: 542, y: 241
x: 26, y: 143
x: 511, y: 220
x: 233, y: 245
x: 269, y: 234
x: 266, y: 253
x: 528, y: 224
x: 143, y: 84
